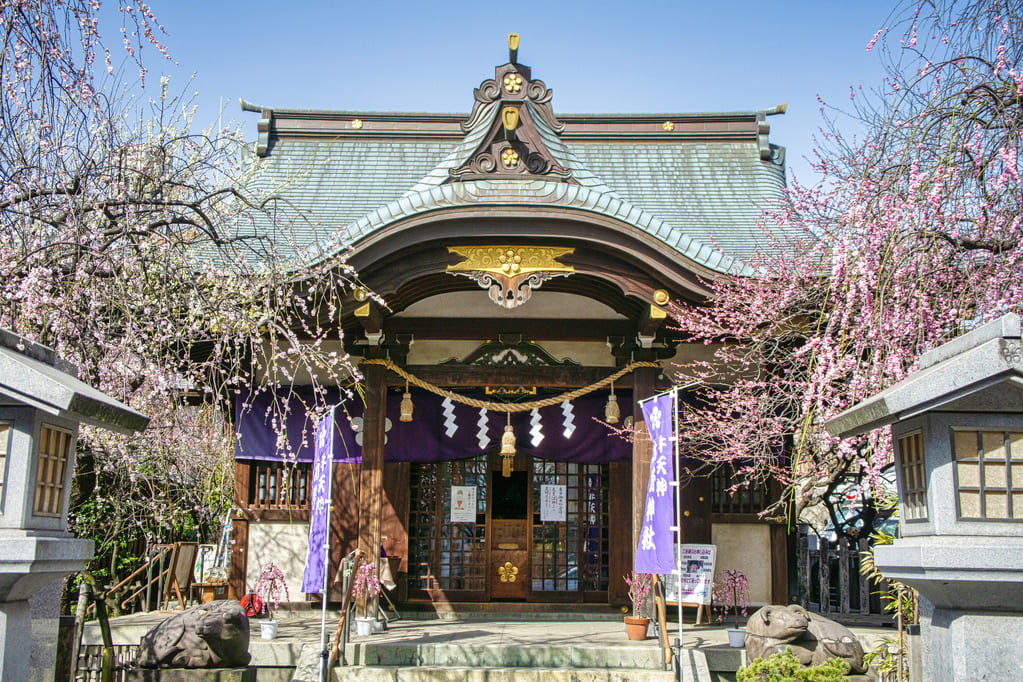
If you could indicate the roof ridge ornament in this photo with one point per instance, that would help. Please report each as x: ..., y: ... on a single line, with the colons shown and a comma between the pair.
x: 511, y: 107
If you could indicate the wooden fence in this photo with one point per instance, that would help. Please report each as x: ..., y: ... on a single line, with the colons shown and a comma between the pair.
x: 90, y: 662
x: 829, y: 577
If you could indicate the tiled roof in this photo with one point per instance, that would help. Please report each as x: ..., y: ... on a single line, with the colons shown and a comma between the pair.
x: 711, y: 191
x: 701, y: 197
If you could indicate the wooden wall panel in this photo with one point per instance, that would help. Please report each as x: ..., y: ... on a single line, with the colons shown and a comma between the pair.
x: 695, y: 495
x: 394, y: 521
x: 239, y: 557
x: 344, y: 520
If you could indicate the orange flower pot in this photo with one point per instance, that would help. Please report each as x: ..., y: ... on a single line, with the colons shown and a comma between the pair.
x: 636, y: 628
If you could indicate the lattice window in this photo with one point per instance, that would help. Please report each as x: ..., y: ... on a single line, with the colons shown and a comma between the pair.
x: 913, y: 476
x: 751, y: 499
x: 444, y: 555
x: 5, y: 430
x: 54, y: 449
x: 989, y: 474
x: 279, y: 485
x: 571, y: 556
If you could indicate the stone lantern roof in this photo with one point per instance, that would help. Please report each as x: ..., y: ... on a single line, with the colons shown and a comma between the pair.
x: 981, y: 371
x: 33, y: 375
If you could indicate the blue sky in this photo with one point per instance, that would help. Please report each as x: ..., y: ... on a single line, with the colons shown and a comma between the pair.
x: 641, y: 56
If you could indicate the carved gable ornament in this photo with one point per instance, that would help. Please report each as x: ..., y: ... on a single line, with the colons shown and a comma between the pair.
x: 510, y: 273
x: 512, y: 147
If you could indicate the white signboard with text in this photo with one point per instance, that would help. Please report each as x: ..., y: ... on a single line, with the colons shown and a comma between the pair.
x: 697, y: 576
x: 463, y: 504
x: 552, y: 503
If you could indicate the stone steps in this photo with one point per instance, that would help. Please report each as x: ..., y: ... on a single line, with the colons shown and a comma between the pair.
x: 396, y: 662
x: 497, y: 674
x: 503, y: 656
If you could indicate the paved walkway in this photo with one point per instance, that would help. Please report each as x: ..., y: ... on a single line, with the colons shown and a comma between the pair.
x: 601, y: 628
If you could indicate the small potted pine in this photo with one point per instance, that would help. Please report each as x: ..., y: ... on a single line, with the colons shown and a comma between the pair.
x: 270, y: 590
x: 636, y: 625
x: 730, y: 593
x: 365, y: 586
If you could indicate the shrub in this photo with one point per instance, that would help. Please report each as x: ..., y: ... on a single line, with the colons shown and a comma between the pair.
x: 784, y: 666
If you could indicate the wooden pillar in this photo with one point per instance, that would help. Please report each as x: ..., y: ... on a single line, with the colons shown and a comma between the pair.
x: 371, y: 476
x: 236, y: 586
x: 643, y: 379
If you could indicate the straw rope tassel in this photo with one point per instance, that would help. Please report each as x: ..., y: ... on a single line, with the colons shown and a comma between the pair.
x: 510, y: 407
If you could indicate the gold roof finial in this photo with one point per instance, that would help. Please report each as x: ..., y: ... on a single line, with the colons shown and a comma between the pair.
x: 513, y: 48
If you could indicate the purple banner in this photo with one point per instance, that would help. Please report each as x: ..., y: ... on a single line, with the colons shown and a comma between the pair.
x: 312, y: 576
x: 655, y: 552
x: 440, y: 430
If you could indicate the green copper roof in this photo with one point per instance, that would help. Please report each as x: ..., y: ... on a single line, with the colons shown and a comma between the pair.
x: 700, y: 196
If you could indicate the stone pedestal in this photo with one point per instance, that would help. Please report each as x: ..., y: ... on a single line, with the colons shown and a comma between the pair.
x: 957, y: 427
x: 28, y: 563
x: 190, y: 675
x: 971, y: 597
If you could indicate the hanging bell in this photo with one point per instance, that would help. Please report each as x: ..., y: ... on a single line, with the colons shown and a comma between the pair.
x: 507, y: 450
x: 611, y: 410
x: 406, y: 406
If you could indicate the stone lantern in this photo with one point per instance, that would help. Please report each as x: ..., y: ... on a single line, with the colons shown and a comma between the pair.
x: 957, y: 430
x: 41, y: 406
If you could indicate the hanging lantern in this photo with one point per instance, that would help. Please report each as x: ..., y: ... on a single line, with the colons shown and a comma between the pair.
x: 611, y: 410
x: 507, y: 448
x: 406, y: 406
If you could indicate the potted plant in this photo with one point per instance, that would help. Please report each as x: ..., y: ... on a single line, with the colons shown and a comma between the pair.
x: 636, y: 625
x: 269, y: 589
x: 729, y: 594
x: 366, y: 584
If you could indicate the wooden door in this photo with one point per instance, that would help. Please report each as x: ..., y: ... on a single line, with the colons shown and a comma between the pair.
x: 509, y: 540
x: 509, y: 575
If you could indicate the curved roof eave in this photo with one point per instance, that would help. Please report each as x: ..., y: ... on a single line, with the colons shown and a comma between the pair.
x: 533, y: 193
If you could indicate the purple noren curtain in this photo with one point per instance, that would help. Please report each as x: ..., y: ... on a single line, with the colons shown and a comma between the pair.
x: 440, y: 430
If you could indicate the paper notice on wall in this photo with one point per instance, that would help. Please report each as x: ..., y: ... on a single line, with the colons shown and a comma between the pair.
x: 463, y: 504
x: 552, y: 503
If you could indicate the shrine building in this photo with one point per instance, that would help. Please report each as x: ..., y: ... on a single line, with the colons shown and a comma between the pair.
x: 525, y: 257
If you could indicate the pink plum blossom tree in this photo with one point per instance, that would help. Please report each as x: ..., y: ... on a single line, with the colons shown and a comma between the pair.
x: 911, y: 238
x: 128, y: 245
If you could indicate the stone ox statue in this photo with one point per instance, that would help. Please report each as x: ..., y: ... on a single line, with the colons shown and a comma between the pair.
x: 813, y: 638
x: 214, y: 635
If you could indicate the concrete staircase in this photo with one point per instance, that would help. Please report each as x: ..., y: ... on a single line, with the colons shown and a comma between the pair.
x: 453, y: 661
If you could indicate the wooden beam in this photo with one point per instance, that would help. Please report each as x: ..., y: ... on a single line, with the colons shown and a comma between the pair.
x: 492, y: 328
x: 369, y: 316
x: 653, y: 319
x: 455, y: 376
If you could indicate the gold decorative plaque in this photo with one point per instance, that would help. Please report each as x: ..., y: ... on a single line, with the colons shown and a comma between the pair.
x: 502, y: 260
x: 510, y: 273
x: 510, y: 118
x: 508, y: 572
